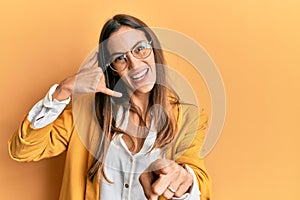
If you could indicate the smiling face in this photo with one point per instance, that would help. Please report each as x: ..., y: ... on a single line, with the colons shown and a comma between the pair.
x: 124, y: 47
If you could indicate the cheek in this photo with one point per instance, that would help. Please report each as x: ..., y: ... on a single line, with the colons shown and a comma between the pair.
x: 151, y: 58
x: 125, y: 78
x: 151, y: 62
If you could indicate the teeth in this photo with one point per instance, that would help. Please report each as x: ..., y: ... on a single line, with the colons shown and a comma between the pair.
x: 140, y: 75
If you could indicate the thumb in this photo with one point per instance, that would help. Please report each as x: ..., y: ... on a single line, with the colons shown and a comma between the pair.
x: 90, y: 62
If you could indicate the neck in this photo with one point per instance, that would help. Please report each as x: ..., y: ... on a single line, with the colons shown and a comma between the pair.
x: 141, y: 100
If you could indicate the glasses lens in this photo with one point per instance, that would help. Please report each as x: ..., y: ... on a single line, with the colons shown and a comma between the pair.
x: 142, y: 50
x: 119, y: 63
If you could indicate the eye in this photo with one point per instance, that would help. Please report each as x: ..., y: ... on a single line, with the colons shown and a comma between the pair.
x: 119, y: 58
x: 140, y: 47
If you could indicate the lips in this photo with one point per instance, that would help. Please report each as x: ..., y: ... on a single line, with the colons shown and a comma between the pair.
x: 140, y: 76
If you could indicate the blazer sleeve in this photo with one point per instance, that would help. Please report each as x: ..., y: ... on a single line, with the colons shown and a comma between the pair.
x: 192, y: 128
x: 29, y: 144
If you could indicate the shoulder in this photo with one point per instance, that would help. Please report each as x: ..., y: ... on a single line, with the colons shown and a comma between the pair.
x: 191, y: 115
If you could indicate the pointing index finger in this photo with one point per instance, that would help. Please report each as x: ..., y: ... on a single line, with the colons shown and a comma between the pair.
x: 146, y: 179
x: 162, y: 183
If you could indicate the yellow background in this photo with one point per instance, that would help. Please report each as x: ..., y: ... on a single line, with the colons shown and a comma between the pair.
x: 255, y: 44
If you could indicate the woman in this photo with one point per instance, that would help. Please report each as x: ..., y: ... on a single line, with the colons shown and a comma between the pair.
x: 141, y: 151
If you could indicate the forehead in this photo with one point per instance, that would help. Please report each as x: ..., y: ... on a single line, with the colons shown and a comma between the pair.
x: 124, y: 39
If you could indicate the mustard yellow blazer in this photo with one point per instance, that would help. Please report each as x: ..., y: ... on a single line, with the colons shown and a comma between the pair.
x: 28, y: 144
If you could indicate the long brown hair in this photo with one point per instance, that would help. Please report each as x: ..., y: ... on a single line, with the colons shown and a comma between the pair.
x: 106, y: 106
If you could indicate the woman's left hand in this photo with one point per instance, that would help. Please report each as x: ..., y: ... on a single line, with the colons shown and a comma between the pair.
x: 167, y: 178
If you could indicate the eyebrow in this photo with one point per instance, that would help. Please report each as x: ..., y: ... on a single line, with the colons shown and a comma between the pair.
x: 121, y: 53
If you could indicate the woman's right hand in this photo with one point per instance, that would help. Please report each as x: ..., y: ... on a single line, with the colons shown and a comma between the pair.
x: 89, y: 79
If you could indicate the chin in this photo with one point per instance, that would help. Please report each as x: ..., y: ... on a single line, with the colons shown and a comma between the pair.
x: 144, y: 89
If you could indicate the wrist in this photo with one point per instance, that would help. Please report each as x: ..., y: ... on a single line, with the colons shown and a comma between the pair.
x: 62, y: 92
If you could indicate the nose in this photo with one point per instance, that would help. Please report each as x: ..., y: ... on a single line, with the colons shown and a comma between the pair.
x: 132, y: 61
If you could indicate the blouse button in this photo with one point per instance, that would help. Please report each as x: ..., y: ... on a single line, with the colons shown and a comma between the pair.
x: 126, y: 185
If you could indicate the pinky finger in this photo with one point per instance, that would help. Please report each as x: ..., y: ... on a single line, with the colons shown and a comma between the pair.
x: 110, y: 92
x: 116, y: 94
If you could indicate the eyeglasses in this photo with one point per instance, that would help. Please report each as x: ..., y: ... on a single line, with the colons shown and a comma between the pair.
x: 141, y: 50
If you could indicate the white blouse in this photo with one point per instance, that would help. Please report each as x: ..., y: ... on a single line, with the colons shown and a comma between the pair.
x: 121, y: 166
